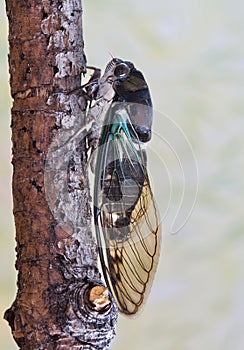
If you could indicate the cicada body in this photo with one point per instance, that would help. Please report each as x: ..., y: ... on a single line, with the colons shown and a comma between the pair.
x: 125, y: 214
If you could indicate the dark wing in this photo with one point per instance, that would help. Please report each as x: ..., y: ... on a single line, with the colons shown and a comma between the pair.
x: 126, y: 218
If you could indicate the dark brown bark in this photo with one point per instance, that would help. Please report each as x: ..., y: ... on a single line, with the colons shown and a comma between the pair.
x: 56, y: 305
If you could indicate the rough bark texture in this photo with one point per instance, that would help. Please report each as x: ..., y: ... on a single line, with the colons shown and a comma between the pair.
x: 56, y: 254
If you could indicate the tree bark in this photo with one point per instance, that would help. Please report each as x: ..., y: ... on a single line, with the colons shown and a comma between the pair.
x: 58, y: 303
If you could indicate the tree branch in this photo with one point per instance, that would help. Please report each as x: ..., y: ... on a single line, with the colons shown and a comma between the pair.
x: 58, y: 305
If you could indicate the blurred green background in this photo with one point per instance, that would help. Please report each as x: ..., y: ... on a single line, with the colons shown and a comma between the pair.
x: 192, y: 54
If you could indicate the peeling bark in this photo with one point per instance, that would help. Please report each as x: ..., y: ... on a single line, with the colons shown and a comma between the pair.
x: 57, y: 305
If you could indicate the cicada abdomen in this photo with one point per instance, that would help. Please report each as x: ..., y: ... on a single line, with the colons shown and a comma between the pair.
x: 125, y: 214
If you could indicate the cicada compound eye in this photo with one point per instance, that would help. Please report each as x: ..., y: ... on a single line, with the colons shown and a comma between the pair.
x: 121, y: 70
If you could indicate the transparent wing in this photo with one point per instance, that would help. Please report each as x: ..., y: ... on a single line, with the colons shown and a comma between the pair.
x: 126, y: 218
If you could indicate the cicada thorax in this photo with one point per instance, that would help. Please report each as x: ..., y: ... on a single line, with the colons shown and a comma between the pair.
x: 133, y: 89
x: 120, y: 82
x: 126, y: 220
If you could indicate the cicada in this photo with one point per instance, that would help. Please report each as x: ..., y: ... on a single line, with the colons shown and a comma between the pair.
x: 125, y: 214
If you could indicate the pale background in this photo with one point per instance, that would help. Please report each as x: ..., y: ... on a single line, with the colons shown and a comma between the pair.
x: 192, y: 54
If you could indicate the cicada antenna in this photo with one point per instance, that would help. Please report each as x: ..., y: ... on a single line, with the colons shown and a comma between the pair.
x: 111, y: 55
